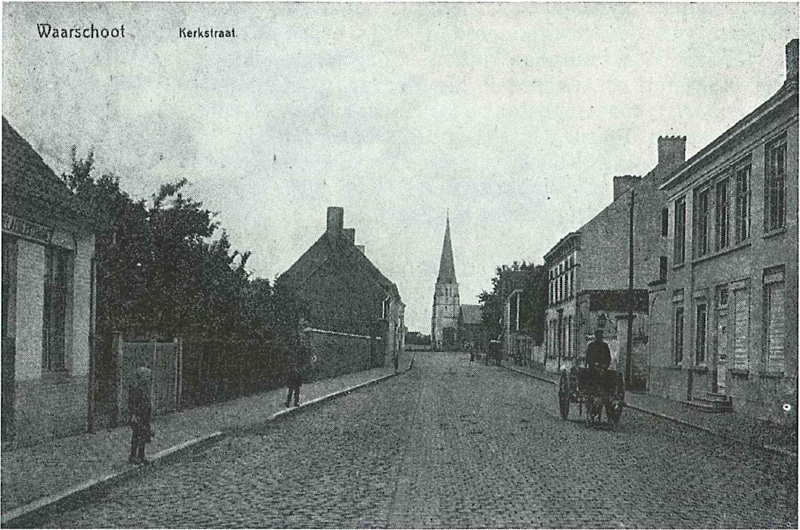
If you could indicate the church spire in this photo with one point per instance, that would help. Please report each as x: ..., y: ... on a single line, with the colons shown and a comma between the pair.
x: 447, y: 269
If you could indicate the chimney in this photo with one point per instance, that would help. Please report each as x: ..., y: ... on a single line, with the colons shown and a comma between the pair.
x: 335, y: 218
x: 361, y: 249
x: 350, y: 234
x: 671, y: 151
x: 791, y: 61
x: 624, y: 183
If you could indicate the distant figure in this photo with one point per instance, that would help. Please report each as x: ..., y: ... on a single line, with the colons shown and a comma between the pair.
x: 140, y: 412
x: 598, y: 356
x: 293, y: 382
x: 396, y: 360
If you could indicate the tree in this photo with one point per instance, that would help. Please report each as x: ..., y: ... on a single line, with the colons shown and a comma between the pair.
x: 532, y: 281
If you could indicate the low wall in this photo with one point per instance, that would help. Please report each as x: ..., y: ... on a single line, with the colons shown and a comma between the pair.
x: 332, y: 353
x: 46, y: 408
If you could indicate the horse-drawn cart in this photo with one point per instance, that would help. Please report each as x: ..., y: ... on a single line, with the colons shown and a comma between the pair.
x: 594, y: 390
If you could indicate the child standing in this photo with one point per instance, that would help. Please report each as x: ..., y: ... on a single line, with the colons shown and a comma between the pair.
x: 294, y: 380
x: 140, y: 412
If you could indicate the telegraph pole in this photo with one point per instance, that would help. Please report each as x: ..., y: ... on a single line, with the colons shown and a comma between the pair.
x: 630, y: 296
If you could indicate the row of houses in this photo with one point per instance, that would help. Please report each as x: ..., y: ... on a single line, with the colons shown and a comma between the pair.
x: 354, y: 321
x: 714, y: 277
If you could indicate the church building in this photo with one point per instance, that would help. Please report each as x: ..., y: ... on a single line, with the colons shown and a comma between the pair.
x: 446, y: 304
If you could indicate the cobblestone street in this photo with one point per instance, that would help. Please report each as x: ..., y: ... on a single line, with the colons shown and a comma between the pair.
x: 455, y: 444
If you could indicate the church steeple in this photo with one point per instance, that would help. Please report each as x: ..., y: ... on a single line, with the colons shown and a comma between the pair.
x: 447, y: 269
x: 446, y: 302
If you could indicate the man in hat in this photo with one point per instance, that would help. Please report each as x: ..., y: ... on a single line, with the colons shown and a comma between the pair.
x: 598, y: 356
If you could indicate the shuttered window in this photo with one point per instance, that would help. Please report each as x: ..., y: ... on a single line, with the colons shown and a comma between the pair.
x: 678, y: 335
x: 741, y: 324
x: 776, y: 326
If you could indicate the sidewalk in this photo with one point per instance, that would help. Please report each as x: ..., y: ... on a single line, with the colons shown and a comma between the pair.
x: 733, y: 426
x: 34, y: 478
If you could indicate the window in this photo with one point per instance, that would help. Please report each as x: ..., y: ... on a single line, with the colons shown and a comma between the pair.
x: 678, y: 336
x: 741, y: 323
x: 742, y: 203
x: 665, y: 222
x: 722, y: 296
x: 775, y: 321
x: 722, y: 214
x: 775, y: 186
x: 572, y: 282
x: 56, y: 300
x: 700, y: 343
x: 680, y: 231
x: 662, y: 268
x: 569, y: 336
x: 702, y: 223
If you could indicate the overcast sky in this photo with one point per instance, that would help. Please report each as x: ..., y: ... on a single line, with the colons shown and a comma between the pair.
x: 514, y: 116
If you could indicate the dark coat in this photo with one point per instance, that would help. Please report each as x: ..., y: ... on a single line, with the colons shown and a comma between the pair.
x: 294, y: 378
x: 140, y: 412
x: 598, y: 355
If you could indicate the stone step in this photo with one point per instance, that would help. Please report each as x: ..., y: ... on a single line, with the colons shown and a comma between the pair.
x: 711, y: 407
x: 717, y: 397
x: 723, y: 400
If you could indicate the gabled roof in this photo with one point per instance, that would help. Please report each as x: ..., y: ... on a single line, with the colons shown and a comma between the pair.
x: 333, y: 243
x: 30, y: 184
x: 447, y: 269
x: 471, y: 314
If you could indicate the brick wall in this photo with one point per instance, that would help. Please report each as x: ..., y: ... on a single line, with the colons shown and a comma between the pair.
x: 333, y: 354
x: 48, y: 408
x: 342, y: 298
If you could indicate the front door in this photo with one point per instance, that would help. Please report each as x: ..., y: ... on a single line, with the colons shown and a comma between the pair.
x: 722, y: 352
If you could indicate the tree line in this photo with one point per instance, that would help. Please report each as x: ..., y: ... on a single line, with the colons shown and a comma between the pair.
x: 165, y: 267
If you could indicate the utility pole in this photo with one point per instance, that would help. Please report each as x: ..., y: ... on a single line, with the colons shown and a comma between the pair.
x: 630, y: 296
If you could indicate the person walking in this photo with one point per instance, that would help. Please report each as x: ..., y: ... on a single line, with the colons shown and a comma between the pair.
x: 396, y: 360
x: 294, y: 380
x: 140, y: 411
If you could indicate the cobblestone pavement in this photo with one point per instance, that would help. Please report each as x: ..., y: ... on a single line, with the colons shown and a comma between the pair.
x: 454, y: 444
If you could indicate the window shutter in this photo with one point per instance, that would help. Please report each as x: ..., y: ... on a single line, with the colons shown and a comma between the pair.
x: 740, y: 325
x: 776, y: 327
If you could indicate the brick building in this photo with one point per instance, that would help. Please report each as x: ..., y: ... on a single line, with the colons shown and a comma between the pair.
x: 725, y: 316
x: 588, y: 270
x: 48, y: 299
x: 446, y: 302
x: 347, y: 297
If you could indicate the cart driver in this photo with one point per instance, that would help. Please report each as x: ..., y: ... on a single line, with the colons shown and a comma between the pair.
x: 598, y: 356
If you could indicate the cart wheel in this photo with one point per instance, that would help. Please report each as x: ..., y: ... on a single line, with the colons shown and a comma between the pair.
x: 589, y: 410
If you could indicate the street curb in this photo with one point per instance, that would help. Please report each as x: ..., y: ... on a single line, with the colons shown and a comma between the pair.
x: 767, y: 448
x: 27, y: 515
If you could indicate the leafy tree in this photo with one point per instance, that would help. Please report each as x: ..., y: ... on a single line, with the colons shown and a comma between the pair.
x: 532, y: 280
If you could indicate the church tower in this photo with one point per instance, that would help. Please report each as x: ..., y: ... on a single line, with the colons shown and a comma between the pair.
x: 446, y: 304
